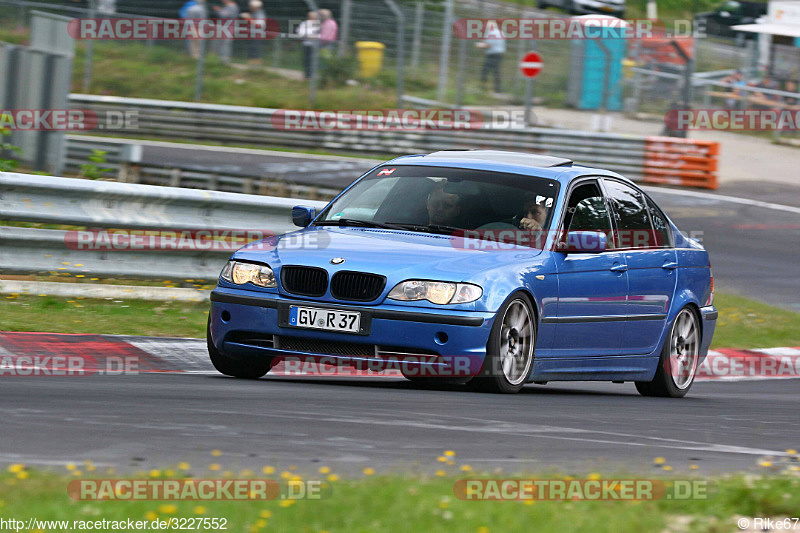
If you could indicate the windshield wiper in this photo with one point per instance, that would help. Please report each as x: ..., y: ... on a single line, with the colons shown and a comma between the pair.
x: 355, y: 222
x: 429, y: 228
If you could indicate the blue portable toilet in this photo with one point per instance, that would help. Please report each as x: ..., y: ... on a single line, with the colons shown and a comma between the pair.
x: 588, y: 70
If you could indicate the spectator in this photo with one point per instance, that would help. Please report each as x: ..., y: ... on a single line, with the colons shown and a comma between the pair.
x: 257, y: 17
x: 308, y: 30
x: 495, y: 48
x: 767, y: 83
x: 790, y: 87
x: 737, y: 80
x: 194, y: 9
x: 229, y: 10
x: 328, y: 29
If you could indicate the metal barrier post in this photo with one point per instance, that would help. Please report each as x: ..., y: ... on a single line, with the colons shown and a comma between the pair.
x: 401, y: 44
x: 462, y: 59
x: 198, y: 79
x: 419, y: 13
x: 444, y: 57
x: 344, y: 35
x: 89, y: 57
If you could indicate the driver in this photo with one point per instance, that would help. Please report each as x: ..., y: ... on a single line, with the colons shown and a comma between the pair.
x: 443, y: 207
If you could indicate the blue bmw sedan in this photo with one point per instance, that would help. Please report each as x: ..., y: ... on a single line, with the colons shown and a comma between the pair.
x: 487, y: 268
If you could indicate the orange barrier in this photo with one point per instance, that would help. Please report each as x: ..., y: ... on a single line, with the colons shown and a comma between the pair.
x: 675, y: 161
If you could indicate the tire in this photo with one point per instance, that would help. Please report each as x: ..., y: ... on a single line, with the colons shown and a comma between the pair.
x: 542, y: 4
x: 510, y: 350
x: 679, y: 359
x: 238, y: 368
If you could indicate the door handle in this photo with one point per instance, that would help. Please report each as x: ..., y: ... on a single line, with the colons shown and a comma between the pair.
x: 670, y: 265
x: 619, y: 268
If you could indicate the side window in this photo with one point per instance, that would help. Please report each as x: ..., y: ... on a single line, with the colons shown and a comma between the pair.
x: 663, y: 231
x: 634, y: 229
x: 587, y: 211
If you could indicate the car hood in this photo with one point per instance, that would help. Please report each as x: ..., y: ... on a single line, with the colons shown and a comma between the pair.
x: 398, y: 255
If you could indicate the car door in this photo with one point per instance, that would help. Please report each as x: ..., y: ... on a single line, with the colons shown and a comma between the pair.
x: 592, y: 287
x: 644, y: 235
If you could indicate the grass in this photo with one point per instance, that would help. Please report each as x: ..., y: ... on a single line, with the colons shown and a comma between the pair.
x: 743, y: 323
x: 133, y: 69
x: 410, y: 503
x: 120, y: 317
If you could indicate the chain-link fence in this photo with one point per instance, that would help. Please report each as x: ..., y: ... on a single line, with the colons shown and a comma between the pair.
x: 440, y: 69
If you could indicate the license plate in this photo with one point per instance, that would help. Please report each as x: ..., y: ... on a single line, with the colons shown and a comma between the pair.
x: 328, y: 319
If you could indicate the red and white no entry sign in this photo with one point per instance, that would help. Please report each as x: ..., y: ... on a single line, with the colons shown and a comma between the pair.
x: 530, y: 65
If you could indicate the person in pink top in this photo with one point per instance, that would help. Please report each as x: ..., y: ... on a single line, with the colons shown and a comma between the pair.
x: 328, y: 30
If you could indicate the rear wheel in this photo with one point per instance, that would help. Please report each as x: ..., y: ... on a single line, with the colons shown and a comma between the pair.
x: 509, y: 353
x: 238, y: 368
x: 679, y: 359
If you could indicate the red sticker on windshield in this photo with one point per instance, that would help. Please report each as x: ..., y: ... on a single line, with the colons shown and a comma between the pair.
x: 386, y: 172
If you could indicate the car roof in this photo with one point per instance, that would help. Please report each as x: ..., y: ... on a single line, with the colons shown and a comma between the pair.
x: 544, y: 166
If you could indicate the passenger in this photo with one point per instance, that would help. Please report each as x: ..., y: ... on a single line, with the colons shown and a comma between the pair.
x: 534, y: 216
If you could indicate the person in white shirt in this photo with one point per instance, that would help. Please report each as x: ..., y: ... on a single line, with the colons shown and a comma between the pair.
x: 308, y: 30
x: 495, y: 48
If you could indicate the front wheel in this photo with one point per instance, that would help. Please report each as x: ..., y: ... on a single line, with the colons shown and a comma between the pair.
x: 679, y: 359
x: 509, y: 352
x: 238, y: 368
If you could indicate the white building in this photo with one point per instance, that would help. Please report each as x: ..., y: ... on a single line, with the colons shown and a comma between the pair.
x: 779, y: 39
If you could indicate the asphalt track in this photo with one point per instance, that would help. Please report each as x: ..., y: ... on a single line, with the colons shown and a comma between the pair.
x: 144, y: 421
x: 141, y: 421
x: 754, y: 245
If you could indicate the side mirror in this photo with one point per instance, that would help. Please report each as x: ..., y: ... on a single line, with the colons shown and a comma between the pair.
x: 302, y: 215
x: 584, y: 242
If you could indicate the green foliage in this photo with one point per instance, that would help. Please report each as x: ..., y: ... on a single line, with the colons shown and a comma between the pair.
x: 94, y: 170
x: 334, y: 70
x: 6, y: 149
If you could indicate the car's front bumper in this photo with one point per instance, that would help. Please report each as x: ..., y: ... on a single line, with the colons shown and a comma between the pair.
x: 244, y: 324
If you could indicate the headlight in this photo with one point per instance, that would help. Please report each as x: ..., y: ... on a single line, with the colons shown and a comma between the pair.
x: 438, y: 292
x: 241, y: 273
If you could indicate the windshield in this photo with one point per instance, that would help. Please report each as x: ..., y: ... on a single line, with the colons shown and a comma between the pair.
x: 445, y: 200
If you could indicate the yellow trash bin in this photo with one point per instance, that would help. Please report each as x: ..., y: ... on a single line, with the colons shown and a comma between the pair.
x: 370, y: 58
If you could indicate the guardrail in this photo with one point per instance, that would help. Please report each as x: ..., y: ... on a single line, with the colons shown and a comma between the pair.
x: 284, y: 179
x: 92, y: 206
x: 626, y: 154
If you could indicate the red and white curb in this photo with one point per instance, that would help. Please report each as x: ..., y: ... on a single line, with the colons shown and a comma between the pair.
x: 33, y: 354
